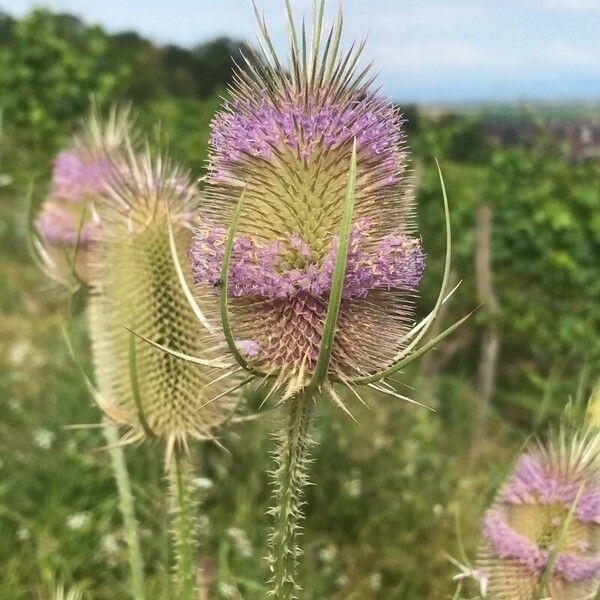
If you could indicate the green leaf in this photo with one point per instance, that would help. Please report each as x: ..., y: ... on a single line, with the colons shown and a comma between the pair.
x: 224, y: 287
x: 182, y: 280
x: 188, y: 358
x: 404, y: 357
x: 558, y: 546
x: 72, y: 258
x: 335, y: 297
x: 412, y: 357
x: 135, y: 386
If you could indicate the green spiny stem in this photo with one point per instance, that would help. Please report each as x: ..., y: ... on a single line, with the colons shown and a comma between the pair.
x: 183, y: 527
x: 126, y: 503
x: 290, y: 477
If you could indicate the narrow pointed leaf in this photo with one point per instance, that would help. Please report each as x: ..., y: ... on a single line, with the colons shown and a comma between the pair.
x: 182, y: 280
x: 34, y: 246
x: 405, y: 357
x: 116, y: 414
x: 135, y: 385
x: 446, y: 276
x: 417, y: 354
x: 188, y: 358
x: 225, y: 285
x: 72, y: 259
x: 556, y: 550
x: 335, y: 297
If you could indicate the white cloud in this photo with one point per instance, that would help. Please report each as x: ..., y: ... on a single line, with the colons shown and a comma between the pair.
x: 577, y: 6
x: 436, y: 56
x: 453, y: 57
x: 566, y: 55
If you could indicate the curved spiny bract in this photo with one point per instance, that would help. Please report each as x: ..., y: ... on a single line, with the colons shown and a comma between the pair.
x: 285, y: 140
x: 134, y: 284
x: 529, y: 521
x: 67, y: 224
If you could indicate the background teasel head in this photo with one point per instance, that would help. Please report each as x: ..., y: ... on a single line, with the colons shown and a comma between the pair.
x: 286, y: 141
x: 67, y: 223
x: 135, y: 284
x: 543, y: 530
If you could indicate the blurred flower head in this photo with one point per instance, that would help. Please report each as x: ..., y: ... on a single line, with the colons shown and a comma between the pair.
x: 285, y: 140
x: 527, y: 519
x: 134, y: 284
x: 67, y: 223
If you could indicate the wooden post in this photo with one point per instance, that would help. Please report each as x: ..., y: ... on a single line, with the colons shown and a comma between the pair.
x: 490, y: 341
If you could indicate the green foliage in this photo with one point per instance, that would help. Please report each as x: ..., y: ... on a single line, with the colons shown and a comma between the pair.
x: 51, y: 64
x: 546, y: 245
x: 185, y: 124
x: 47, y: 73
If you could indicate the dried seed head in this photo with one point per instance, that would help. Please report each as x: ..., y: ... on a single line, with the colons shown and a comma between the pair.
x: 134, y: 284
x: 66, y: 222
x: 524, y: 524
x: 285, y: 139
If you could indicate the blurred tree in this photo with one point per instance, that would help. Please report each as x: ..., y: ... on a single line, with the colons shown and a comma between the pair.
x: 179, y: 66
x: 51, y: 64
x: 139, y: 64
x: 214, y: 62
x: 6, y: 28
x: 47, y: 73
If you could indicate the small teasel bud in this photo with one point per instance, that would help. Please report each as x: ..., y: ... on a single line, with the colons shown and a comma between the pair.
x: 541, y: 537
x: 135, y: 285
x: 67, y: 224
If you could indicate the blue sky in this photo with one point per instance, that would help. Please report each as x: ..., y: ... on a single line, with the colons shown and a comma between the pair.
x: 426, y: 50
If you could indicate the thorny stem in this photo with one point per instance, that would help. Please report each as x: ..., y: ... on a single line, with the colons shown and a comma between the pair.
x: 290, y: 477
x: 183, y: 527
x: 126, y: 504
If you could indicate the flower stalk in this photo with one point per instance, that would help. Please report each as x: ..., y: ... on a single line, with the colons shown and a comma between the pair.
x: 183, y: 526
x: 290, y: 477
x: 127, y: 507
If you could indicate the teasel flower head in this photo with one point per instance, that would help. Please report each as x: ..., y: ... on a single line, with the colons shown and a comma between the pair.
x: 135, y: 283
x: 67, y: 224
x: 542, y: 534
x: 309, y: 181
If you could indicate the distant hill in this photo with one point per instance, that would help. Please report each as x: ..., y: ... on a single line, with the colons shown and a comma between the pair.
x: 555, y: 111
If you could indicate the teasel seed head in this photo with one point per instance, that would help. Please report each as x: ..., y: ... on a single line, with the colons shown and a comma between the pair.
x: 67, y: 223
x: 543, y: 529
x: 294, y: 150
x: 135, y: 285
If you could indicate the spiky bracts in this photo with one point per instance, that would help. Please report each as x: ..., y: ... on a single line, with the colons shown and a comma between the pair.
x: 290, y: 477
x: 285, y: 141
x: 67, y: 223
x: 543, y: 531
x: 134, y: 284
